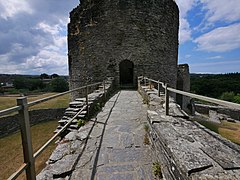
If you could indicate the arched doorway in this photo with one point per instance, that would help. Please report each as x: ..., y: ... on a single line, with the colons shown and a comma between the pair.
x: 126, y: 69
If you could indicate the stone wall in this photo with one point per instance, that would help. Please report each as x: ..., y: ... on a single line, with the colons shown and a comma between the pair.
x: 185, y: 149
x: 183, y: 83
x: 102, y: 34
x: 204, y: 109
x: 10, y: 124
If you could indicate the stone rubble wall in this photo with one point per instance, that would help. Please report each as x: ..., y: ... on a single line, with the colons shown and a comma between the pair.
x: 96, y: 100
x: 231, y: 113
x: 10, y: 124
x: 186, y: 149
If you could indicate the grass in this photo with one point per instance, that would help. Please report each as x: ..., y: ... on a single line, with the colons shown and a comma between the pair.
x: 156, y: 168
x: 11, y: 155
x: 229, y: 130
x: 60, y: 102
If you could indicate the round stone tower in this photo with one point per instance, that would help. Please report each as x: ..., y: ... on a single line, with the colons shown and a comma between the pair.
x: 123, y: 39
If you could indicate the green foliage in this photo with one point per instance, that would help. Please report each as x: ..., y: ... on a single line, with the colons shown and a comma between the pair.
x: 228, y: 96
x: 97, y: 107
x: 237, y: 98
x: 146, y: 127
x: 59, y: 84
x: 81, y: 122
x: 44, y: 76
x: 156, y: 168
x: 215, y: 85
x: 54, y: 76
x: 27, y: 83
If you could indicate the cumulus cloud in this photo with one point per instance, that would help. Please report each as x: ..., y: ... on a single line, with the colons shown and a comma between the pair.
x: 34, y: 36
x: 221, y: 10
x: 12, y: 7
x: 184, y: 29
x: 221, y: 39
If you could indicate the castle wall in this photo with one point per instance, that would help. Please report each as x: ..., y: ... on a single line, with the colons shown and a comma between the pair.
x: 102, y: 33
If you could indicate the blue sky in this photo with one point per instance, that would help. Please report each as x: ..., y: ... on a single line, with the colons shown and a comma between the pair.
x: 33, y: 35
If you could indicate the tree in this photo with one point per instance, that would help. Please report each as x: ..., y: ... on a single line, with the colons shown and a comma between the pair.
x: 228, y: 96
x: 54, y: 76
x: 59, y: 84
x: 20, y: 83
x: 44, y: 76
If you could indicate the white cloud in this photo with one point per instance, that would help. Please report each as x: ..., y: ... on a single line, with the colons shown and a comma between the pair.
x: 221, y: 10
x: 10, y: 8
x: 184, y: 29
x: 221, y: 39
x: 185, y: 6
x: 215, y: 57
x: 34, y: 36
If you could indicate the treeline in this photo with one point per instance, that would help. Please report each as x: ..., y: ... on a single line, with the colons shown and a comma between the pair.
x: 221, y: 86
x: 42, y: 83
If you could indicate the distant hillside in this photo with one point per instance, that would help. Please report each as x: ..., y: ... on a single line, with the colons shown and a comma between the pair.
x: 214, y: 85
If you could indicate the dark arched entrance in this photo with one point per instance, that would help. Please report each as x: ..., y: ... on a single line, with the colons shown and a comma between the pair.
x: 126, y: 73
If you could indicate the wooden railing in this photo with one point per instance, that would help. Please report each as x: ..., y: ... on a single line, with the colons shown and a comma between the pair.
x: 196, y: 96
x: 22, y: 108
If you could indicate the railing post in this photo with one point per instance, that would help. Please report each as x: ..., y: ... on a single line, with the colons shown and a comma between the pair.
x: 166, y: 100
x: 104, y: 90
x: 87, y: 100
x: 26, y: 138
x: 158, y: 89
x: 150, y: 84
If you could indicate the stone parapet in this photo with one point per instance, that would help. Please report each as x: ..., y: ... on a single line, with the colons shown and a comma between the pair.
x: 185, y: 149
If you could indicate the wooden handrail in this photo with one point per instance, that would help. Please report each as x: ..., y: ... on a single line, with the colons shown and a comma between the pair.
x: 192, y: 95
x: 26, y: 129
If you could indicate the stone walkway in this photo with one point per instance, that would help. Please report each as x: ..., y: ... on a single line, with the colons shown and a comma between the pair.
x: 120, y: 151
x: 114, y: 148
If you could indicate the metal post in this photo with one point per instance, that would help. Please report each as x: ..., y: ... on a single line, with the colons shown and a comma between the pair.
x: 87, y: 100
x: 145, y: 82
x: 26, y: 138
x: 150, y: 84
x: 158, y: 89
x: 166, y: 100
x: 104, y: 90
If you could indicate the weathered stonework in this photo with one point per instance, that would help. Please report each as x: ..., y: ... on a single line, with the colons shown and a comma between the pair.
x: 123, y: 39
x: 183, y: 83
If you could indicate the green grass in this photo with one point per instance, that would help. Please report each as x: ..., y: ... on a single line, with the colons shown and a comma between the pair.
x: 11, y: 155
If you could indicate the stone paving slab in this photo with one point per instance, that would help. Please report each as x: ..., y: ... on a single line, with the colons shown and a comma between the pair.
x: 109, y: 147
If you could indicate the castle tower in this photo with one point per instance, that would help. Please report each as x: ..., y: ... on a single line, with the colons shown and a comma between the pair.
x: 123, y: 39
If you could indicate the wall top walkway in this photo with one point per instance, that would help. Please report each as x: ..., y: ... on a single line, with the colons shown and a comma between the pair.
x: 111, y: 146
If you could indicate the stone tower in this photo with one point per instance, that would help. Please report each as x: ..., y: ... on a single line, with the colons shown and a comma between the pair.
x: 123, y: 39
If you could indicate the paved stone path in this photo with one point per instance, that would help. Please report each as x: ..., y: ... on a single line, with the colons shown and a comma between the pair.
x: 115, y: 149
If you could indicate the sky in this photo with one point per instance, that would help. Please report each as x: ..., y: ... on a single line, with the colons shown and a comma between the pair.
x: 33, y: 36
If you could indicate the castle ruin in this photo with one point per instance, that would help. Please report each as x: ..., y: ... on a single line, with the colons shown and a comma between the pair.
x: 123, y: 39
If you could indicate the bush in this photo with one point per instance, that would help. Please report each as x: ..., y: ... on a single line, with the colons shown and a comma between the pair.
x: 59, y: 84
x: 237, y: 98
x: 228, y: 96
